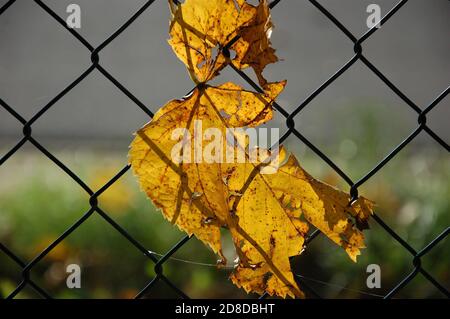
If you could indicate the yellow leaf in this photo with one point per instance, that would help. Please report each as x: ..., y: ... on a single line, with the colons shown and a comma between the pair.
x: 241, y: 107
x: 253, y: 48
x: 196, y: 197
x: 182, y: 156
x: 200, y: 30
x: 262, y: 211
x: 269, y: 209
x: 175, y: 187
x: 266, y: 231
x: 324, y: 206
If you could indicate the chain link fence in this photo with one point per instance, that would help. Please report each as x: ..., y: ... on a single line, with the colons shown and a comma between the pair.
x: 358, y: 46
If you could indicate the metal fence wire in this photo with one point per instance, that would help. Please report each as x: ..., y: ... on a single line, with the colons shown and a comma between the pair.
x: 94, y: 52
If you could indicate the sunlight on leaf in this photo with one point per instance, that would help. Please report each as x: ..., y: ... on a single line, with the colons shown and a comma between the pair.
x: 265, y: 205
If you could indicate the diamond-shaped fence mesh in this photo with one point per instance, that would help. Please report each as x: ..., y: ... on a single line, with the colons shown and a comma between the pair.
x: 358, y: 45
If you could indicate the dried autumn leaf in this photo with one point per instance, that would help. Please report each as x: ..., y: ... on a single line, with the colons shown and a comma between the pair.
x: 195, y: 197
x: 200, y: 31
x: 269, y: 209
x: 200, y: 192
x: 253, y: 48
x: 243, y: 108
x: 324, y: 206
x: 266, y: 231
x: 173, y: 187
x: 262, y: 211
